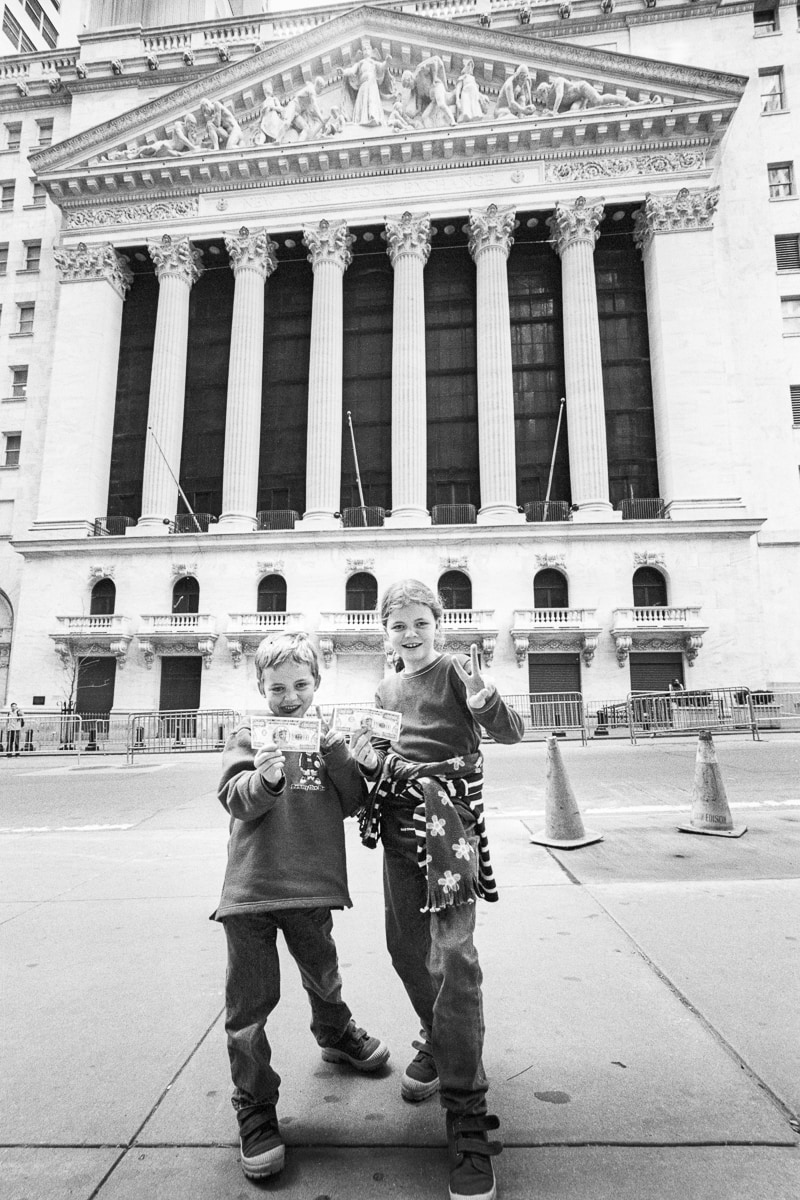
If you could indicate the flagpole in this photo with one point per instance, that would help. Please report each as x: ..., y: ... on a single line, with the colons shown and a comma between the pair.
x: 358, y: 473
x: 553, y: 461
x: 175, y: 481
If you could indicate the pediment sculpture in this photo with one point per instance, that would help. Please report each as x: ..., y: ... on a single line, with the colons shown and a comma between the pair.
x: 374, y: 95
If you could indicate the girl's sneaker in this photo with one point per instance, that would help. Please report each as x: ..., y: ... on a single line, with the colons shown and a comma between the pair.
x: 471, y: 1152
x: 261, y: 1148
x: 420, y: 1078
x: 356, y: 1048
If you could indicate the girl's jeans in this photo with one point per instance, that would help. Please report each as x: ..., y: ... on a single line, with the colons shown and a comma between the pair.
x: 252, y: 990
x: 436, y: 959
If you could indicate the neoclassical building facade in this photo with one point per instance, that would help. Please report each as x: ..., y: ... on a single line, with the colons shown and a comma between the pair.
x: 385, y: 295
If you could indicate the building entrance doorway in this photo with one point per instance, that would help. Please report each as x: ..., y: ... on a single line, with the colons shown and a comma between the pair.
x: 94, y: 692
x: 180, y: 683
x: 655, y: 672
x: 554, y: 672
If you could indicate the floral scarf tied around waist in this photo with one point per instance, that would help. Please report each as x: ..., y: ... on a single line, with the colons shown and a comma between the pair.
x: 444, y: 851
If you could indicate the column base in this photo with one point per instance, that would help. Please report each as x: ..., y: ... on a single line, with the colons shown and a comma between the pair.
x: 236, y: 523
x: 408, y: 518
x: 150, y: 527
x: 596, y: 512
x: 500, y: 514
x: 318, y: 519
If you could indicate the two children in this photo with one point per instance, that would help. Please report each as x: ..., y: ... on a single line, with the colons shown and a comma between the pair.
x: 286, y: 870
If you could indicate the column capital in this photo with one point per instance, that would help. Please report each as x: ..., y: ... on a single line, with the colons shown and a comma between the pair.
x: 252, y: 250
x: 491, y: 230
x: 686, y: 212
x: 571, y: 223
x: 178, y: 258
x: 83, y: 263
x: 329, y: 241
x: 408, y: 235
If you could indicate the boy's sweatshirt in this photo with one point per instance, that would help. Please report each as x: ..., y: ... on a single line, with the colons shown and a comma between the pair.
x: 286, y: 846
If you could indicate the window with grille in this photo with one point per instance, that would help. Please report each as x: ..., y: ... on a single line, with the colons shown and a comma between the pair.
x: 13, y: 135
x: 765, y: 17
x: 19, y: 382
x: 794, y: 392
x: 25, y: 313
x: 455, y: 589
x: 272, y: 594
x: 790, y: 314
x: 781, y: 180
x: 45, y: 128
x: 3, y: 257
x: 773, y: 98
x: 787, y: 252
x: 649, y: 588
x: 33, y: 254
x: 6, y: 196
x: 13, y: 443
x: 550, y: 590
x: 39, y: 195
x: 361, y: 593
x: 104, y: 595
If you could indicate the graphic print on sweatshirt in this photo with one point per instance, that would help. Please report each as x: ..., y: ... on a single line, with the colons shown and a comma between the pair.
x: 309, y: 778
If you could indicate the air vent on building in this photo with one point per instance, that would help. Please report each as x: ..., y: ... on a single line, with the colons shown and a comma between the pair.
x: 787, y: 252
x: 794, y: 392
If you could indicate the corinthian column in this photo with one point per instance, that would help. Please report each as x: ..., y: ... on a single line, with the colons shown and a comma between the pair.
x: 408, y: 247
x: 574, y: 230
x: 177, y: 267
x: 77, y: 448
x: 253, y: 259
x: 687, y: 361
x: 329, y: 245
x: 489, y: 244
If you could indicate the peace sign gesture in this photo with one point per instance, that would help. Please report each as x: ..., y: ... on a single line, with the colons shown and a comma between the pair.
x: 480, y: 690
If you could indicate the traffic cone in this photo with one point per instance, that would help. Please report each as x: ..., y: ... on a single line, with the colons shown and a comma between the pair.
x: 710, y: 811
x: 563, y: 824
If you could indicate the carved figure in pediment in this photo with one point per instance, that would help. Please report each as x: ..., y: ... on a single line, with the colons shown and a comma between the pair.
x: 334, y: 122
x: 470, y: 104
x: 303, y: 113
x: 185, y: 139
x: 365, y: 81
x: 397, y: 117
x: 515, y: 98
x: 430, y: 84
x: 222, y: 130
x: 566, y: 95
x: 273, y: 118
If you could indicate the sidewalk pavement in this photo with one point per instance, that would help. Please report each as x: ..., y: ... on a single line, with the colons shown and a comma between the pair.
x: 640, y: 996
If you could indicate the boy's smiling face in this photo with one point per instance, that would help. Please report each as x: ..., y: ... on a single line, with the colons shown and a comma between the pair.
x: 288, y: 688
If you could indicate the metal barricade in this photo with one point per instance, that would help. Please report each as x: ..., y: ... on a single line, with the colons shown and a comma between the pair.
x: 544, y: 713
x: 46, y: 733
x: 167, y: 732
x: 720, y: 710
x: 776, y: 710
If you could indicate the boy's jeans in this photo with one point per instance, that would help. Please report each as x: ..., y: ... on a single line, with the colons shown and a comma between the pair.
x: 435, y: 957
x: 252, y: 990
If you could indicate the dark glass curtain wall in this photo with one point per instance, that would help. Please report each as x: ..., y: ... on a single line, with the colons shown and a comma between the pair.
x: 133, y: 393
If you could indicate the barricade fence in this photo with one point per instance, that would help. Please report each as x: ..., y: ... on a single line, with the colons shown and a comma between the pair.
x: 178, y: 730
x: 720, y: 710
x: 546, y: 713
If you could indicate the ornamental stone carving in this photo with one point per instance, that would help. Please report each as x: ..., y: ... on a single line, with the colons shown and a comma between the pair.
x: 82, y: 263
x: 179, y: 570
x: 686, y: 211
x: 622, y: 646
x: 409, y: 235
x: 575, y: 223
x: 451, y: 563
x: 648, y: 558
x: 124, y: 214
x: 329, y: 242
x: 252, y: 251
x: 177, y: 258
x: 97, y: 573
x: 270, y: 567
x: 352, y: 565
x: 551, y: 561
x: 634, y: 164
x: 491, y: 230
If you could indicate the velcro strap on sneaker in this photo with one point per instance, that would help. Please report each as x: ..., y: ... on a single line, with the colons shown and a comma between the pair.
x: 475, y: 1123
x: 467, y: 1145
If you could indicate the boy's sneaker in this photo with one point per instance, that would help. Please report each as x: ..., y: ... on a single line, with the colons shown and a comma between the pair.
x: 470, y: 1152
x: 356, y: 1048
x: 261, y: 1148
x: 420, y: 1078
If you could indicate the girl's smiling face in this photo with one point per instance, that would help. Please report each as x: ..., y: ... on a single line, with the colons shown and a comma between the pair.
x: 411, y: 631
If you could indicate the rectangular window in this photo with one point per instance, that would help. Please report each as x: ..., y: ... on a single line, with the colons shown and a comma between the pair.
x: 773, y: 98
x: 26, y: 312
x: 39, y: 195
x: 3, y: 257
x: 19, y: 382
x: 790, y: 312
x: 787, y: 251
x: 13, y: 135
x: 6, y: 197
x: 765, y: 17
x: 16, y: 34
x: 33, y: 254
x: 794, y: 392
x: 13, y: 441
x: 781, y: 180
x: 45, y: 127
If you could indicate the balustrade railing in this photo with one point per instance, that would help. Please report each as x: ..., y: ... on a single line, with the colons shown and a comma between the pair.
x: 642, y: 509
x: 453, y: 514
x: 277, y: 518
x: 561, y: 617
x: 111, y: 526
x: 369, y: 516
x: 547, y: 510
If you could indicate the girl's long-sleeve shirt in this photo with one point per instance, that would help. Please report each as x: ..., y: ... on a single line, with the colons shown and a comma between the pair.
x: 286, y: 847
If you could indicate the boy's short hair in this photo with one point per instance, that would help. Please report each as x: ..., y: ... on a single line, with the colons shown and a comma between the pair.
x: 287, y: 647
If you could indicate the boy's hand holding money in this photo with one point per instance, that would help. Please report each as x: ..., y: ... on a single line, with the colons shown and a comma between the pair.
x: 270, y: 762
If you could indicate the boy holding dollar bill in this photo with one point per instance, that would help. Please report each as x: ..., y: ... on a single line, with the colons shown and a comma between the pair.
x: 286, y: 871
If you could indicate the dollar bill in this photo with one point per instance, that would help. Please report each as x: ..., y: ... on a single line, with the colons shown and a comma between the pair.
x: 350, y: 718
x: 288, y: 733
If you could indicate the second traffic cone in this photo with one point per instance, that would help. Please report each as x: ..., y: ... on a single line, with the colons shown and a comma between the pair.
x: 710, y: 810
x: 563, y: 824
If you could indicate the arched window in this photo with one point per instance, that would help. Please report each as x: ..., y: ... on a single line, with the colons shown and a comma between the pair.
x: 272, y: 594
x: 186, y: 595
x: 649, y: 588
x: 455, y: 589
x: 550, y: 590
x: 361, y: 593
x: 104, y: 595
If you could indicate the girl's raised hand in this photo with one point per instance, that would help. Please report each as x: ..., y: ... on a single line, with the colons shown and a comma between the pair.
x: 480, y: 689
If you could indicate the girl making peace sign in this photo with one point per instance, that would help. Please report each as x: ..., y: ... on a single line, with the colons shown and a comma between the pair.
x: 428, y: 812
